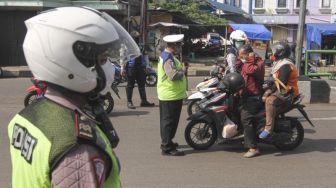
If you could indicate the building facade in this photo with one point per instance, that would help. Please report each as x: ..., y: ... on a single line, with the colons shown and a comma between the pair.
x: 282, y: 16
x: 13, y: 13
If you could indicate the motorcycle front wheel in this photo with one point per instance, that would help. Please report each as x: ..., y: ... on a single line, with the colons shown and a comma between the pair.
x: 108, y: 103
x: 193, y: 107
x: 151, y: 79
x: 296, y: 137
x: 30, y: 98
x: 200, y: 134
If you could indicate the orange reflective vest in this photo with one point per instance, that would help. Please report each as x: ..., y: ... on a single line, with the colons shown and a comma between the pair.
x: 292, y: 83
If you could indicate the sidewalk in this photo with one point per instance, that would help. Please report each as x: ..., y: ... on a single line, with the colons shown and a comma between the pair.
x: 315, y: 90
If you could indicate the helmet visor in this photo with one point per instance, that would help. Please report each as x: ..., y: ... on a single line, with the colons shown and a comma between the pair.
x: 125, y: 39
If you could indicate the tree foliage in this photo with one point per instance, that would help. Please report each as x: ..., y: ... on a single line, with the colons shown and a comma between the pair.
x: 191, y: 9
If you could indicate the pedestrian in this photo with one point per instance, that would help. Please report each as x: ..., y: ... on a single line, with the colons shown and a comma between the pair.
x: 54, y: 142
x: 285, y: 88
x: 135, y: 70
x: 237, y: 38
x: 253, y: 72
x: 171, y: 89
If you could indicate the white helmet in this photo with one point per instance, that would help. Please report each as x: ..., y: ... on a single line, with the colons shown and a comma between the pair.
x: 238, y: 38
x: 62, y: 44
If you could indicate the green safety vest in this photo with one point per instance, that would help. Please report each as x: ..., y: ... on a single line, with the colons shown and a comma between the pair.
x: 42, y: 133
x: 169, y: 90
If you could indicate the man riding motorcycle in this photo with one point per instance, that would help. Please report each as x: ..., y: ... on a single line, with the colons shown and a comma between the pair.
x: 284, y: 89
x: 53, y: 143
x: 237, y: 38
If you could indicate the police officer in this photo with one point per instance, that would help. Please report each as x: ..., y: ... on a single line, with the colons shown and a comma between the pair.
x: 135, y: 69
x: 171, y: 89
x: 237, y: 38
x: 53, y: 143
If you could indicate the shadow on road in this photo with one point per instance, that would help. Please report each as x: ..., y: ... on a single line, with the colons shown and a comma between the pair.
x: 128, y: 113
x: 313, y: 145
x: 237, y: 148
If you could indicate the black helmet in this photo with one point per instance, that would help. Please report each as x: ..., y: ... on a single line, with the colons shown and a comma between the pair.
x: 281, y: 50
x: 233, y: 82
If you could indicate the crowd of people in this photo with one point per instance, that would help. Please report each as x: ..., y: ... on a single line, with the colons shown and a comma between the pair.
x: 54, y: 136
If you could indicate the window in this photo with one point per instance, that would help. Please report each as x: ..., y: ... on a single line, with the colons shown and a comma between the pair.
x: 297, y: 5
x: 282, y: 3
x: 236, y: 3
x: 325, y: 3
x: 259, y: 3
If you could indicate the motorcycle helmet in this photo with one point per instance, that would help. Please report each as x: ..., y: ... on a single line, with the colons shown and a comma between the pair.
x: 281, y: 50
x: 62, y: 45
x: 238, y: 38
x: 233, y: 82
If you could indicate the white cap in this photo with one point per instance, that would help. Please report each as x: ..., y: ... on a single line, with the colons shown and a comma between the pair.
x: 173, y: 38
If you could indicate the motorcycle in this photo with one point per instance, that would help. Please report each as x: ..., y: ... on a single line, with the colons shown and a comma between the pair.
x: 151, y: 76
x: 208, y: 125
x: 39, y: 88
x: 204, y: 89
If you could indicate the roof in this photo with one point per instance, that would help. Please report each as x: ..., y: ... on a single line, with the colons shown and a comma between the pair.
x: 315, y: 32
x: 253, y: 31
x: 167, y: 24
x: 225, y: 8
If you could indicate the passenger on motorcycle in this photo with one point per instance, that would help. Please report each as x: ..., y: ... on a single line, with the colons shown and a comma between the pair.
x: 253, y: 72
x: 237, y: 38
x: 284, y: 89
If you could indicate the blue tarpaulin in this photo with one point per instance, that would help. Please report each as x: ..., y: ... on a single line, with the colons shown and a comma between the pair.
x: 253, y: 31
x: 315, y: 32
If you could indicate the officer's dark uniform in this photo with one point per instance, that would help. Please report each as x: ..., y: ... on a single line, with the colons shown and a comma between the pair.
x: 136, y: 71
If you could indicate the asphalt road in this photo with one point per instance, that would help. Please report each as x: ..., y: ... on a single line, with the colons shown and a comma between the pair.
x: 312, y: 165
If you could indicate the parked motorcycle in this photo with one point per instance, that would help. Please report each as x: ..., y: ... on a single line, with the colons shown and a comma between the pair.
x: 206, y: 126
x: 204, y: 89
x: 151, y: 77
x: 36, y: 91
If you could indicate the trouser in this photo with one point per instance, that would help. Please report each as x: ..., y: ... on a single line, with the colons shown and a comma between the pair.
x: 170, y: 112
x: 251, y: 106
x: 272, y: 104
x: 136, y: 74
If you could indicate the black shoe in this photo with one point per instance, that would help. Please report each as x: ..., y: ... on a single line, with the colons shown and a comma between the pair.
x: 175, y: 144
x: 146, y: 104
x: 130, y: 105
x: 173, y: 152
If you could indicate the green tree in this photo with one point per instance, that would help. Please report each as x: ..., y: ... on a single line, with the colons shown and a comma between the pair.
x: 191, y: 9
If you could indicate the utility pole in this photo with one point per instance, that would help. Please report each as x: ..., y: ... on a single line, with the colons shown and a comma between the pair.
x: 143, y: 24
x: 302, y: 21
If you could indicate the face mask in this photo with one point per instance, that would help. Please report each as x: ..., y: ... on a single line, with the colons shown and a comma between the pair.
x: 178, y: 50
x: 109, y: 71
x: 238, y: 44
x: 243, y: 60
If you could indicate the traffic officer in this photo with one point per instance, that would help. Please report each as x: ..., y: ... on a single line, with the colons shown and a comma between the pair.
x: 135, y: 69
x: 53, y: 143
x: 171, y: 89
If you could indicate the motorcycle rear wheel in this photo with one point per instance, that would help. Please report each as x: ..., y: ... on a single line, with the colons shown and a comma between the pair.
x: 193, y: 107
x: 151, y: 80
x: 297, y: 135
x: 30, y: 98
x: 108, y: 103
x: 200, y: 135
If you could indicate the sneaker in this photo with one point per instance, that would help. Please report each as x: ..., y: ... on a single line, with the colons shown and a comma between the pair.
x: 130, y: 105
x: 252, y: 153
x: 146, y: 104
x: 173, y: 152
x: 264, y: 134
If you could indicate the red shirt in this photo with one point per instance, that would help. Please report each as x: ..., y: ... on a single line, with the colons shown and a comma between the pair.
x: 253, y: 72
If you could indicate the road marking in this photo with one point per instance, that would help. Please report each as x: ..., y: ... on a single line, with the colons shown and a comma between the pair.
x: 318, y: 119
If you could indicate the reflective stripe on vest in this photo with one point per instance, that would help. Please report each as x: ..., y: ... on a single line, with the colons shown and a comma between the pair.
x: 167, y: 89
x: 30, y: 149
